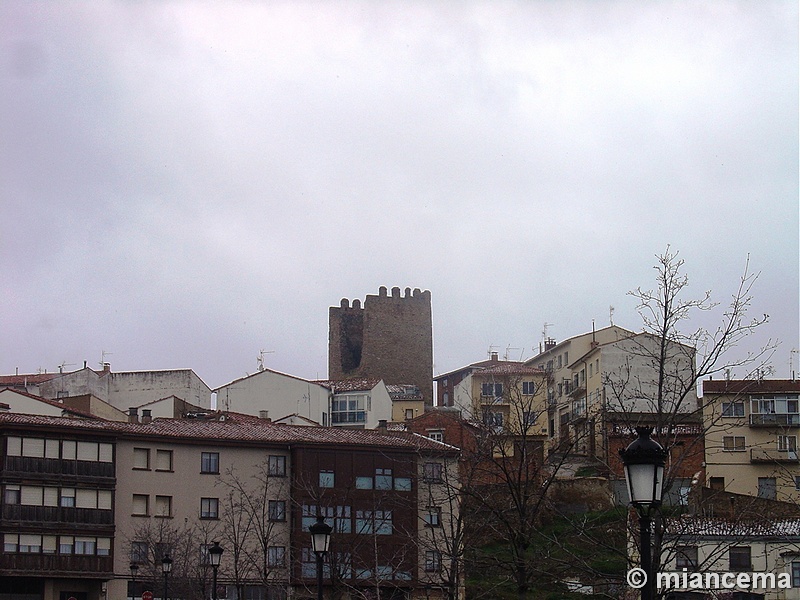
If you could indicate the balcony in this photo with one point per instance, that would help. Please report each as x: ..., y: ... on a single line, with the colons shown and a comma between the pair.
x: 771, y: 455
x: 53, y: 515
x: 56, y: 565
x: 53, y: 466
x: 775, y: 420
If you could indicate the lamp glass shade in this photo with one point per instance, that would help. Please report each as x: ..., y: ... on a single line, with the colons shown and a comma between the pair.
x: 644, y: 483
x: 320, y: 536
x: 166, y: 564
x: 215, y: 554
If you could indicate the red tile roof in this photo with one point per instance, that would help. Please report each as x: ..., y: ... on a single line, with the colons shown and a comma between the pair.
x: 29, y: 379
x: 348, y: 385
x: 235, y: 429
x: 751, y: 386
x: 496, y: 367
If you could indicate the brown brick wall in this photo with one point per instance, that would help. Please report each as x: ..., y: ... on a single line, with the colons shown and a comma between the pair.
x: 390, y: 337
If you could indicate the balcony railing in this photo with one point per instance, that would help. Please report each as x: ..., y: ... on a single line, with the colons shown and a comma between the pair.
x: 774, y: 420
x: 771, y: 455
x: 55, y: 466
x: 57, y: 514
x: 57, y: 564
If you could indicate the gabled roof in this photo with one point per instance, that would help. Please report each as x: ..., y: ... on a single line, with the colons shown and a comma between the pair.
x: 495, y: 367
x: 28, y: 379
x: 751, y: 386
x: 708, y: 527
x: 235, y: 430
x: 264, y: 371
x: 348, y: 385
x: 54, y: 403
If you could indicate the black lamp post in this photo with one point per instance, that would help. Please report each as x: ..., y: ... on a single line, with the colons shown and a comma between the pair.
x: 166, y: 569
x: 215, y: 554
x: 320, y: 540
x: 134, y: 570
x: 644, y: 461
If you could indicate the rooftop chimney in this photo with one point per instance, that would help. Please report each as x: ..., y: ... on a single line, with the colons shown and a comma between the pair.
x: 147, y: 416
x: 133, y: 415
x: 494, y: 356
x: 381, y: 426
x: 549, y: 344
x: 264, y: 415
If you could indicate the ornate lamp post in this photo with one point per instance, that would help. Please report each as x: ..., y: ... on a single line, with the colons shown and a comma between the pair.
x: 134, y: 570
x: 644, y: 461
x: 320, y: 541
x: 166, y: 569
x: 215, y: 554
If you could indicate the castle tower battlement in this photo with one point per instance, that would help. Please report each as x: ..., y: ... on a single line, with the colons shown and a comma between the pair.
x: 390, y: 337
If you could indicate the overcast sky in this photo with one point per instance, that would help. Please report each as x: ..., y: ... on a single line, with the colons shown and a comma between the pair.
x: 186, y: 184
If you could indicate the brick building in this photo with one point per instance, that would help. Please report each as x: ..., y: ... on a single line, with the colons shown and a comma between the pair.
x: 389, y: 338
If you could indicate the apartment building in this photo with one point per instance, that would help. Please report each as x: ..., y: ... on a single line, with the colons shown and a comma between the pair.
x: 57, y: 521
x: 121, y: 390
x: 508, y: 395
x: 606, y: 381
x: 140, y: 491
x: 751, y: 437
x: 698, y: 552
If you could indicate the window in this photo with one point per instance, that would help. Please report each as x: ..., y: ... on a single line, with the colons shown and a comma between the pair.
x: 437, y: 435
x: 528, y: 388
x: 209, y: 462
x: 402, y: 484
x: 767, y: 488
x: 787, y: 443
x: 163, y: 460
x: 432, y: 516
x: 410, y: 413
x: 378, y: 522
x: 493, y: 390
x: 13, y: 494
x: 87, y: 546
x: 363, y: 483
x: 141, y: 458
x: 528, y: 418
x: 795, y: 574
x: 209, y: 508
x: 68, y: 497
x: 163, y: 506
x: 494, y: 419
x: 140, y: 505
x: 739, y: 558
x: 326, y: 479
x: 733, y: 409
x: 276, y: 556
x: 733, y: 443
x: 432, y: 472
x: 797, y: 482
x: 277, y: 510
x: 433, y: 561
x: 277, y: 466
x: 383, y: 479
x: 351, y: 408
x: 717, y: 483
x: 686, y: 557
x: 139, y: 552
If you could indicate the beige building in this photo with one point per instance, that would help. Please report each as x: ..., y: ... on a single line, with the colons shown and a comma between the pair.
x: 121, y: 390
x: 699, y: 552
x: 610, y: 376
x: 751, y: 437
x: 84, y: 500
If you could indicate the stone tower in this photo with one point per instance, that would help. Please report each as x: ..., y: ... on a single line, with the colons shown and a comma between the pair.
x: 390, y: 337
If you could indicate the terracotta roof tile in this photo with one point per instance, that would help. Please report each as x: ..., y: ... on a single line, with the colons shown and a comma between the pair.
x: 236, y: 429
x: 348, y: 385
x: 751, y: 386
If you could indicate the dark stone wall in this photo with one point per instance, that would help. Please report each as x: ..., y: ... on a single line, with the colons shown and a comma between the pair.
x: 390, y: 338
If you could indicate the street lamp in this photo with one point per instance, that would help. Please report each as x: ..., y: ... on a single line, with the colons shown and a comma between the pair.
x: 644, y: 461
x: 166, y: 568
x: 134, y: 570
x: 320, y: 540
x: 215, y: 554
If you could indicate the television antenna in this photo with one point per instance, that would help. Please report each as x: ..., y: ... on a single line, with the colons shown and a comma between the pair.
x: 260, y: 358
